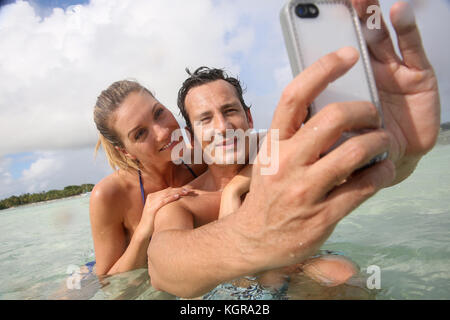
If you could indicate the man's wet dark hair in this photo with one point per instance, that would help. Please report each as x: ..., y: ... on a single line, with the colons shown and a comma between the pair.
x: 202, y: 76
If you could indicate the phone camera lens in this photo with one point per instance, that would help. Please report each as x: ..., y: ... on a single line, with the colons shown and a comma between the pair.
x: 308, y: 10
x: 301, y: 10
x: 313, y: 10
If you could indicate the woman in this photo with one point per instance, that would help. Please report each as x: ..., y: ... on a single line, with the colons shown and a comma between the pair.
x: 135, y: 133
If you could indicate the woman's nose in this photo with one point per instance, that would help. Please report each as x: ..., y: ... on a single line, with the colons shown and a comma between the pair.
x: 222, y: 124
x: 161, y: 134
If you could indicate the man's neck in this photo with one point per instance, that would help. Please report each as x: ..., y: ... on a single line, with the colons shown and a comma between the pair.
x: 221, y: 175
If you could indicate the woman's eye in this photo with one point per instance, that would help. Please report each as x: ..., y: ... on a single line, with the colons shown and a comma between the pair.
x: 139, y: 134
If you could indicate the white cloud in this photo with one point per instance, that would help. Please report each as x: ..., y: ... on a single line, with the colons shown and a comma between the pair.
x: 53, y: 170
x: 5, y: 175
x: 41, y: 167
x: 53, y: 70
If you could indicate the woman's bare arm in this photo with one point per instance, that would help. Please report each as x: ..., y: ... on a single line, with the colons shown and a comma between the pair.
x: 113, y: 254
x: 108, y: 233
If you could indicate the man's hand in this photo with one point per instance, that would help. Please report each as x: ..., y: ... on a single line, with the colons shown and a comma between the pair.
x: 407, y: 86
x: 287, y: 216
x: 234, y: 190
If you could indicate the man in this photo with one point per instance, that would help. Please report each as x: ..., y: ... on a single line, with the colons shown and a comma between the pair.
x: 287, y: 216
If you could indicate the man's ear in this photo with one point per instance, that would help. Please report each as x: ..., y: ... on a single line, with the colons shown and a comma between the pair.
x: 249, y: 118
x: 125, y: 152
x: 188, y: 132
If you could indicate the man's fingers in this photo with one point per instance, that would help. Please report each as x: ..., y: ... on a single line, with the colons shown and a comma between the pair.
x: 298, y: 95
x: 323, y: 130
x: 409, y: 40
x: 377, y: 36
x: 334, y: 168
x: 359, y: 188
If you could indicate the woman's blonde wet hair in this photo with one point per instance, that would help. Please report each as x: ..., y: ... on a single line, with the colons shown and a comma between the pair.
x: 108, y: 102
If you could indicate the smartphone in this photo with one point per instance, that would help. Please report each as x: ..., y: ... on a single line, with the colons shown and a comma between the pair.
x: 314, y: 28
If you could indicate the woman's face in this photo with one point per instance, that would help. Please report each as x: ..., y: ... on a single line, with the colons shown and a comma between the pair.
x: 145, y: 128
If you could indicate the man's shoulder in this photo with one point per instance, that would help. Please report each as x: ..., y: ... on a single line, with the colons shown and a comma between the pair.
x: 174, y: 215
x: 174, y: 207
x: 189, y: 204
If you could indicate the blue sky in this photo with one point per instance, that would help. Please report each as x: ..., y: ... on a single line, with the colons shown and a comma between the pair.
x: 21, y: 161
x: 58, y: 55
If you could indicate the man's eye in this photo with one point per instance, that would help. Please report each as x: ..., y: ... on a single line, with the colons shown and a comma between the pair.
x: 230, y: 110
x: 158, y: 113
x: 205, y: 119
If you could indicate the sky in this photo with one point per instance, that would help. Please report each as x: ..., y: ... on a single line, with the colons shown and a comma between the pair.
x: 57, y: 56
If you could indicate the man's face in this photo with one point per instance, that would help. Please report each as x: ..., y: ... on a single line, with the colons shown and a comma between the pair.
x: 214, y: 109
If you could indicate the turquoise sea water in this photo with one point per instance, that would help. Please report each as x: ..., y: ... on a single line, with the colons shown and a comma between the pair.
x: 404, y: 230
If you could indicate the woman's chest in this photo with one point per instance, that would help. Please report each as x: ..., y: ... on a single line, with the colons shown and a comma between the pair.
x: 132, y: 217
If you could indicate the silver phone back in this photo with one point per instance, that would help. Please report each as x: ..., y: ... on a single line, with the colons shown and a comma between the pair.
x: 308, y: 39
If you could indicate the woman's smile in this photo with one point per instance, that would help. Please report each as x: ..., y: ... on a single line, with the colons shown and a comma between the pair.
x: 169, y: 145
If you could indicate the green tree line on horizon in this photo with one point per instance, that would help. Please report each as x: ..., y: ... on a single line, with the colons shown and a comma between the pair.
x: 445, y: 126
x: 28, y: 198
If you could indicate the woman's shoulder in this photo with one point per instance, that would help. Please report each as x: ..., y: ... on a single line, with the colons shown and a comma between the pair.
x: 110, y: 191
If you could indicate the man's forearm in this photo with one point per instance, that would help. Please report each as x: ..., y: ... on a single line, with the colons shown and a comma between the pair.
x: 188, y: 263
